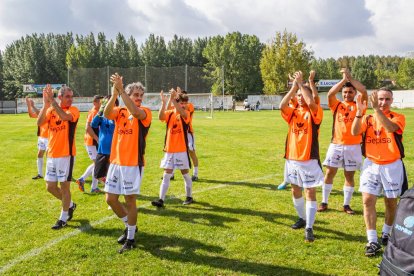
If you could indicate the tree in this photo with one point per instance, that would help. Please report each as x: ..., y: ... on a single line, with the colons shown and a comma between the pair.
x: 154, y: 51
x: 121, y: 52
x: 283, y: 56
x: 239, y: 55
x: 363, y: 69
x: 179, y: 51
x: 133, y: 53
x: 406, y: 74
x: 326, y: 68
x: 197, y: 55
x: 1, y: 76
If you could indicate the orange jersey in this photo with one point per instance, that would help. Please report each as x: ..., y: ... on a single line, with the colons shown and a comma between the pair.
x: 343, y: 116
x: 43, y: 130
x: 177, y: 129
x: 190, y: 108
x: 61, y: 133
x: 129, y: 140
x: 379, y: 145
x: 89, y: 141
x: 302, y: 140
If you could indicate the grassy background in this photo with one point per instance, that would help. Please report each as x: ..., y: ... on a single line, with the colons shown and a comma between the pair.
x: 240, y: 223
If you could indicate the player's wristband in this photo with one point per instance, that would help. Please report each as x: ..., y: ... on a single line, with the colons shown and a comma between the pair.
x: 359, y: 117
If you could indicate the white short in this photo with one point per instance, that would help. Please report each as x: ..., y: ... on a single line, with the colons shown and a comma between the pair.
x: 124, y: 180
x: 191, y: 141
x: 92, y: 152
x: 59, y: 169
x: 348, y: 157
x: 42, y: 143
x: 306, y: 174
x: 176, y: 160
x: 386, y: 178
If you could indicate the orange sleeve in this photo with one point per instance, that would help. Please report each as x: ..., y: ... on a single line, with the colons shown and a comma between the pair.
x: 334, y: 105
x: 167, y: 114
x: 188, y: 120
x: 74, y: 112
x: 318, y: 116
x: 147, y: 121
x: 114, y: 113
x: 364, y: 123
x: 287, y: 114
x: 400, y: 121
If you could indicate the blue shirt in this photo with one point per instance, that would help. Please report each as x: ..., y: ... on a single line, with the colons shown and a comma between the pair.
x: 106, y: 132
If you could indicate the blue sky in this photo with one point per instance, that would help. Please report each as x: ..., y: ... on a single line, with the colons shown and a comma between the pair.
x: 331, y: 28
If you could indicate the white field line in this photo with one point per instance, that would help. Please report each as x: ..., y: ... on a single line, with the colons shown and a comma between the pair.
x: 37, y: 251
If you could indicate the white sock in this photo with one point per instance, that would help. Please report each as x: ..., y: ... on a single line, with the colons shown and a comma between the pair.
x: 71, y: 204
x: 195, y: 171
x: 40, y: 166
x: 165, y: 184
x: 348, y: 191
x: 311, y: 208
x: 386, y: 229
x: 326, y: 191
x: 94, y: 184
x: 63, y: 215
x: 88, y: 171
x: 299, y: 204
x: 188, y: 185
x: 131, y: 232
x: 372, y: 236
x: 125, y: 220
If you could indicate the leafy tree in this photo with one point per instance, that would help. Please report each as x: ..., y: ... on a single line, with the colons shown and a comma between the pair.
x: 179, y: 51
x: 121, y: 52
x: 406, y: 74
x: 133, y: 53
x: 239, y: 55
x: 154, y: 51
x: 283, y: 56
x: 197, y: 54
x: 1, y: 76
x: 363, y: 69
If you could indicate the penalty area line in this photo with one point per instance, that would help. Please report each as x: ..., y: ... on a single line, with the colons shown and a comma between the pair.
x: 37, y: 251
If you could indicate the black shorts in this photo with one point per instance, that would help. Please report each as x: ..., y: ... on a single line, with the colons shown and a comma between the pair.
x: 101, y: 165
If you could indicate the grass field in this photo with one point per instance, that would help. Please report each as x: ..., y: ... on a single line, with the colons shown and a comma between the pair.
x: 239, y: 225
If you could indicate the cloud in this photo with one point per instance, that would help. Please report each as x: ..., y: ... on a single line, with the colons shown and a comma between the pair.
x: 329, y: 27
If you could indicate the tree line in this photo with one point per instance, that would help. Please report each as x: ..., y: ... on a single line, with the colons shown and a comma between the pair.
x: 248, y: 65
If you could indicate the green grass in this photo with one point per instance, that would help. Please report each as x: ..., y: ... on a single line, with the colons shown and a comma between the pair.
x: 240, y: 224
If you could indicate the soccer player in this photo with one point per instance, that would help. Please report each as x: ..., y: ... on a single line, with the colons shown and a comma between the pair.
x: 106, y: 131
x: 383, y: 170
x: 191, y: 139
x: 42, y: 137
x: 126, y: 170
x: 62, y: 119
x: 91, y: 143
x: 302, y: 166
x: 345, y: 149
x: 176, y: 145
x: 294, y: 103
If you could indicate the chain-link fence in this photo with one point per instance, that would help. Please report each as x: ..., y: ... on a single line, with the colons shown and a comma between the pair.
x: 87, y: 82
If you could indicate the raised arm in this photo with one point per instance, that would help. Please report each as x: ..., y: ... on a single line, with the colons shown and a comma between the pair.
x: 306, y: 93
x: 161, y: 112
x: 356, y: 124
x: 313, y: 87
x: 31, y: 109
x: 358, y: 86
x: 109, y: 108
x: 284, y: 103
x: 41, y: 117
x: 336, y: 88
x: 177, y: 106
x: 386, y: 122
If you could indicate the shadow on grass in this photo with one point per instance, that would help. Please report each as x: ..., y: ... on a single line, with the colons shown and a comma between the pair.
x: 184, y: 250
x: 239, y: 183
x: 191, y: 217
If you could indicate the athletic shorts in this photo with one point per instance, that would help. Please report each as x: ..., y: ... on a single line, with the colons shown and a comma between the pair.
x: 124, y: 180
x: 387, y: 178
x: 92, y: 152
x: 59, y: 169
x: 306, y: 174
x: 42, y: 143
x: 176, y: 160
x: 348, y: 157
x: 191, y: 141
x: 101, y: 165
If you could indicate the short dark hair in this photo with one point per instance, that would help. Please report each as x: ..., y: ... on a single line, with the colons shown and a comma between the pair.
x: 348, y: 84
x: 182, y: 98
x: 97, y: 97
